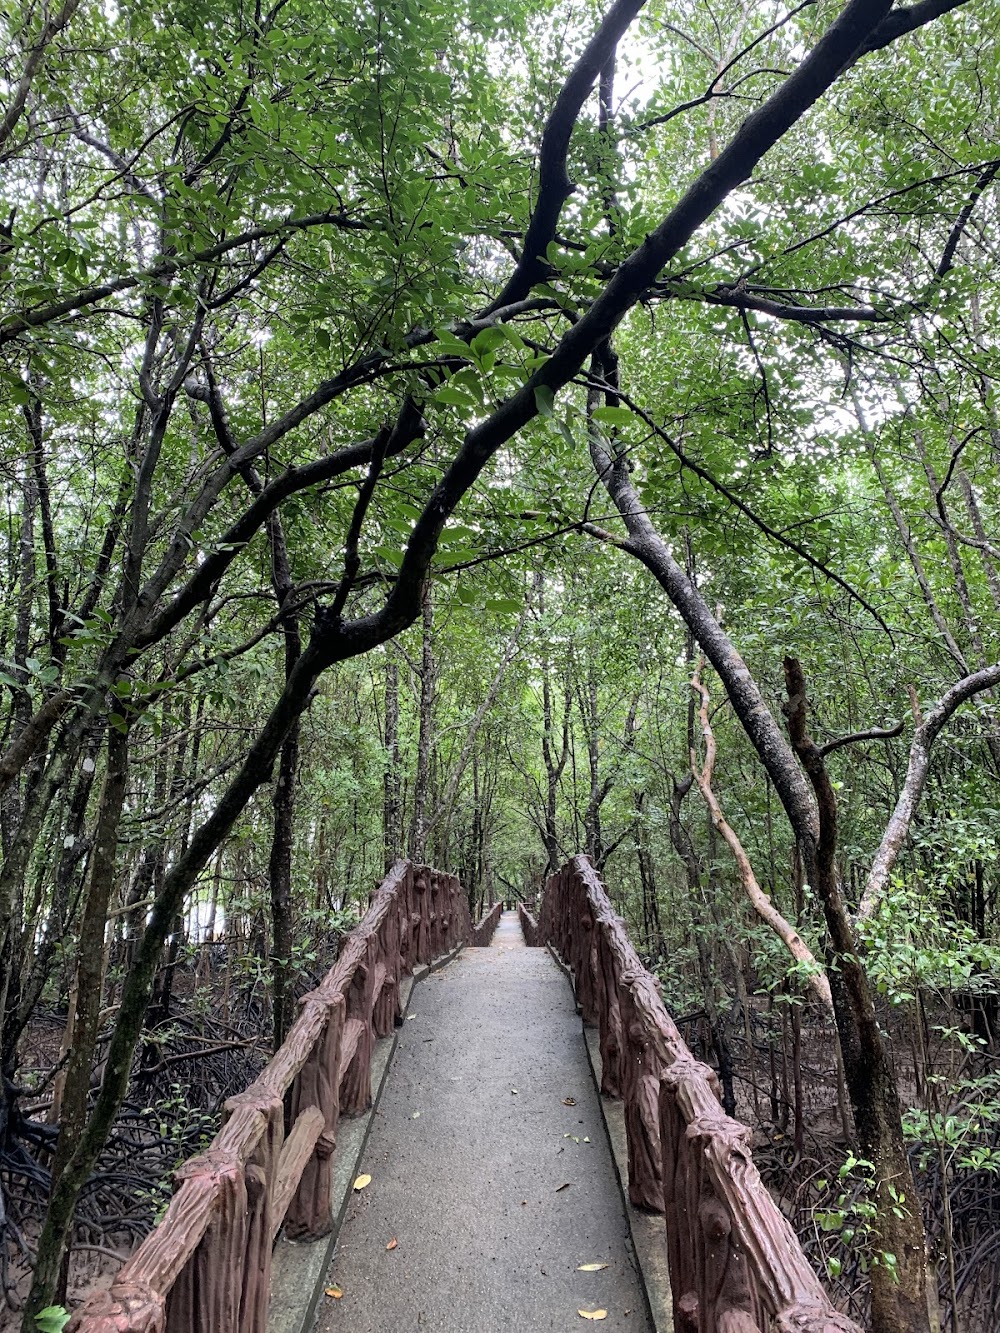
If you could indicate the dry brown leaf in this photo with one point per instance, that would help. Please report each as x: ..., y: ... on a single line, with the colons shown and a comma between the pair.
x: 569, y: 1101
x: 592, y: 1314
x: 362, y: 1181
x: 564, y: 1186
x: 335, y: 1292
x: 394, y: 1242
x: 591, y: 1268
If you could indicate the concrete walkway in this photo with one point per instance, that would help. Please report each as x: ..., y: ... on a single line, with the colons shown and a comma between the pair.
x: 494, y: 1190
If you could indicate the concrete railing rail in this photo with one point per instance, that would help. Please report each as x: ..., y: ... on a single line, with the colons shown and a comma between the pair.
x: 206, y: 1267
x: 735, y: 1263
x: 483, y: 933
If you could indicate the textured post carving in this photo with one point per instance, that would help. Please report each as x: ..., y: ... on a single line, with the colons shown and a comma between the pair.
x: 318, y: 1084
x: 209, y: 1290
x: 358, y: 1040
x: 421, y: 913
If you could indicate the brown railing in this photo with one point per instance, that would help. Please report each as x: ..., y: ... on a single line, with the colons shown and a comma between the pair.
x: 735, y: 1263
x: 529, y: 926
x: 484, y: 932
x: 206, y: 1267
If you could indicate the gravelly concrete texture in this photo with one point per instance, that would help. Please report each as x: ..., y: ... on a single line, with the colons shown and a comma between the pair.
x: 467, y: 1156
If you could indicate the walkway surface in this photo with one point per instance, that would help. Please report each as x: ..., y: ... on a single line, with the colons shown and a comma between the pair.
x: 493, y: 1189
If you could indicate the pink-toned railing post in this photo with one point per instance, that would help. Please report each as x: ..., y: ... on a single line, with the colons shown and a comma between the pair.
x: 209, y: 1288
x: 422, y: 913
x: 318, y: 1084
x: 359, y: 1038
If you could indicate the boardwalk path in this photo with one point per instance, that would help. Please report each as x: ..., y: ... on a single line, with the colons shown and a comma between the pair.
x: 487, y: 1241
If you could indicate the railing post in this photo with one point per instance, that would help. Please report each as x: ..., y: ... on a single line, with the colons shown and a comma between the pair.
x: 407, y: 923
x: 387, y: 1006
x: 422, y: 913
x: 641, y: 1071
x: 318, y: 1084
x: 606, y: 998
x: 208, y: 1291
x: 356, y: 1078
x: 259, y: 1177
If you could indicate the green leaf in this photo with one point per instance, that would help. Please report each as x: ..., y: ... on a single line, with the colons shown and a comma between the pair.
x: 613, y: 416
x: 544, y: 399
x: 53, y: 1319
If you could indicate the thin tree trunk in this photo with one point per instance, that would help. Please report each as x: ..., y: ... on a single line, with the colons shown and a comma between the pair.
x: 428, y: 681
x: 392, y: 806
x: 89, y: 984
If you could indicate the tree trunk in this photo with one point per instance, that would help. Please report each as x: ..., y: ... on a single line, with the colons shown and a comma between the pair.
x: 428, y: 681
x: 89, y: 984
x: 392, y: 805
x: 899, y: 1284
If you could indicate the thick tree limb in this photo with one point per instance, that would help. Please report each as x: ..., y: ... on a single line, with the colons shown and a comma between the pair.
x: 646, y: 544
x: 554, y: 184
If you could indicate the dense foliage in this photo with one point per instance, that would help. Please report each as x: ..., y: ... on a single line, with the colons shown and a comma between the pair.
x: 315, y: 322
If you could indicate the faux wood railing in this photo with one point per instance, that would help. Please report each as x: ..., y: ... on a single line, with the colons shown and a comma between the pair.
x: 483, y: 933
x: 206, y: 1267
x: 735, y: 1263
x: 529, y: 926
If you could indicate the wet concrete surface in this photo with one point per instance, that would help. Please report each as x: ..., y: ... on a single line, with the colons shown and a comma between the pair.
x: 493, y: 1189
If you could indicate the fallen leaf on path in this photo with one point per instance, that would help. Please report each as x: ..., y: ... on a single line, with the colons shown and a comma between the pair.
x: 410, y: 1018
x: 586, y: 1140
x: 335, y: 1292
x: 514, y: 1091
x: 569, y: 1101
x: 592, y: 1314
x: 563, y: 1187
x: 415, y: 1115
x: 394, y: 1242
x: 362, y: 1181
x: 591, y: 1268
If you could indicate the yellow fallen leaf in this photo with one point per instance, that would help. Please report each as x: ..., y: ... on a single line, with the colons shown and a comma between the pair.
x: 335, y: 1292
x: 394, y: 1242
x: 592, y: 1314
x: 591, y: 1268
x: 362, y: 1181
